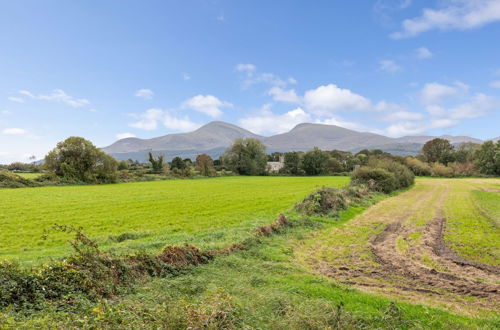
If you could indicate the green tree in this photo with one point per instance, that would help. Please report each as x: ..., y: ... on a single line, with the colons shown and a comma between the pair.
x: 487, y: 158
x: 315, y: 162
x: 438, y: 150
x: 293, y: 163
x: 246, y: 157
x: 334, y: 165
x: 205, y: 165
x: 156, y: 163
x: 178, y: 163
x: 77, y: 159
x: 465, y: 152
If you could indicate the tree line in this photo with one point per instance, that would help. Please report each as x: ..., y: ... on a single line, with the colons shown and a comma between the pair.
x: 78, y: 160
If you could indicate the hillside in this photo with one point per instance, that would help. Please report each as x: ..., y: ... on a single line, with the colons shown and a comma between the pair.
x: 214, y: 137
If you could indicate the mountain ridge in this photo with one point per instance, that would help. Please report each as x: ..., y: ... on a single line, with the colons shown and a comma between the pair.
x: 215, y: 136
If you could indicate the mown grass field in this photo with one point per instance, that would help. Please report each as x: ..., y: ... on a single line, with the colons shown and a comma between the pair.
x: 435, y: 244
x: 206, y: 212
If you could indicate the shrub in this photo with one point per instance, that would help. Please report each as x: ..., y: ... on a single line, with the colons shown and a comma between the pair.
x: 377, y: 179
x: 404, y: 177
x: 327, y: 201
x: 464, y: 169
x: 418, y: 167
x: 441, y: 170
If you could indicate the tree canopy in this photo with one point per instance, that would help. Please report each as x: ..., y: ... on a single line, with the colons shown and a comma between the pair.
x: 438, y: 150
x: 77, y: 159
x: 246, y: 157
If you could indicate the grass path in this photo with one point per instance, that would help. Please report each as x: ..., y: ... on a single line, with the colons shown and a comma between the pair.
x: 396, y: 248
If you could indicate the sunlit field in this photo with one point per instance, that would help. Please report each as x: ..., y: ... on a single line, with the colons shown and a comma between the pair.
x: 146, y: 215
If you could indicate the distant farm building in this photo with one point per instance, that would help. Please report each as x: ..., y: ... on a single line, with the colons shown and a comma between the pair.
x: 276, y: 166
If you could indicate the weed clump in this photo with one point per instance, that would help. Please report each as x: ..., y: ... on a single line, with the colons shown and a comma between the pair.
x: 183, y: 256
x: 275, y: 227
x: 329, y: 201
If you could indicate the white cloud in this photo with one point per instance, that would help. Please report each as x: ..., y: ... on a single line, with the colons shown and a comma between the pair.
x: 150, y: 119
x: 124, y: 135
x: 268, y: 122
x: 389, y: 66
x: 186, y: 76
x: 495, y: 84
x: 435, y: 93
x: 207, y: 104
x: 57, y: 95
x: 329, y: 98
x: 423, y: 53
x: 412, y: 128
x: 388, y: 106
x: 144, y: 93
x: 454, y: 15
x: 343, y: 123
x: 14, y: 131
x: 287, y: 96
x: 183, y: 124
x: 252, y: 77
x: 16, y: 99
x: 403, y: 115
x: 245, y: 67
x: 478, y: 106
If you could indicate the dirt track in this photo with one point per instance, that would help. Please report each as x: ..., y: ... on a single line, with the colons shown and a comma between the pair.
x: 400, y: 252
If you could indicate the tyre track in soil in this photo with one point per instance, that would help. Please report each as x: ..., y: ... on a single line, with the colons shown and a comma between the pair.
x: 406, y: 275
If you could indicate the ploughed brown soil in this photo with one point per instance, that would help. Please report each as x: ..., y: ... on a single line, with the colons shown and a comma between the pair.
x: 392, y: 252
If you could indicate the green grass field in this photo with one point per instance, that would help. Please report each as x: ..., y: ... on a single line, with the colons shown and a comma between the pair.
x: 270, y: 285
x: 29, y: 175
x: 205, y: 212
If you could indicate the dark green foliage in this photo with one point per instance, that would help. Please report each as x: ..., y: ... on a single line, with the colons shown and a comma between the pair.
x: 293, y: 163
x: 488, y: 158
x: 377, y: 179
x: 178, y: 163
x: 315, y: 162
x: 246, y: 157
x: 404, y: 177
x: 78, y: 160
x: 438, y: 150
x: 384, y: 175
x: 156, y: 164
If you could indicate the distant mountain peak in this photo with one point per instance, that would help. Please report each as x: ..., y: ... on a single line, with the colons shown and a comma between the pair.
x: 215, y: 136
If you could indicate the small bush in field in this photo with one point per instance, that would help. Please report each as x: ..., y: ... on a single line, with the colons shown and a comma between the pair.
x: 377, y: 179
x: 404, y: 177
x: 330, y: 200
x: 418, y: 167
x: 441, y: 170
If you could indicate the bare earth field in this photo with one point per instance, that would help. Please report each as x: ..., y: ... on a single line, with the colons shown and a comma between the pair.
x: 436, y: 244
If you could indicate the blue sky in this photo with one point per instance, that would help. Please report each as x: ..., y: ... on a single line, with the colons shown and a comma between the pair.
x: 114, y: 68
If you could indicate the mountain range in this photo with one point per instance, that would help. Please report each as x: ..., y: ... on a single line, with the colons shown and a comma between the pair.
x: 214, y: 137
